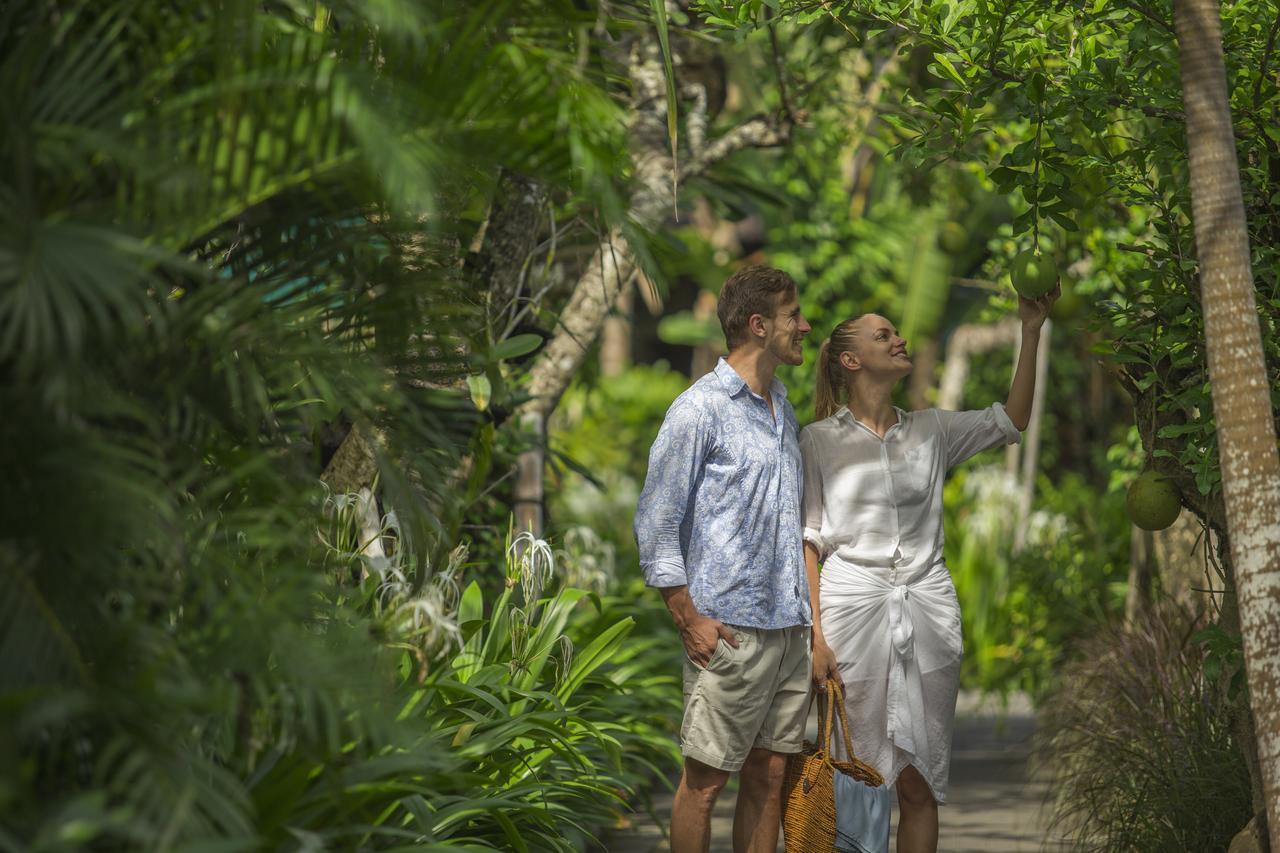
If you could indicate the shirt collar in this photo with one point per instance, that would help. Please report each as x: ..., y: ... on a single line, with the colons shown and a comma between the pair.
x: 735, y: 384
x: 843, y: 414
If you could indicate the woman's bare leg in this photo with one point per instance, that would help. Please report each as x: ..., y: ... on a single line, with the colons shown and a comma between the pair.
x: 918, y: 814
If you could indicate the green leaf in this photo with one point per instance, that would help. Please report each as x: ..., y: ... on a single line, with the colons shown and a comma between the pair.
x: 593, y: 656
x: 481, y: 390
x: 945, y: 64
x: 515, y: 346
x: 470, y: 609
x: 1067, y: 223
x: 664, y: 39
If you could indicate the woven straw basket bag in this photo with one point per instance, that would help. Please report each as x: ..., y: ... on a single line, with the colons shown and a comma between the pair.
x: 808, y: 793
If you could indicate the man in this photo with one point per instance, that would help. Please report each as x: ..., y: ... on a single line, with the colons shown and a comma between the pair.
x: 718, y: 525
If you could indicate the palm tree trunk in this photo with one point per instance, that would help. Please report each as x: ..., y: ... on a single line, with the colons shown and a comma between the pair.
x: 1237, y: 375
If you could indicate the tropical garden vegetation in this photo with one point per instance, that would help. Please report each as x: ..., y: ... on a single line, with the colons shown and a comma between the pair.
x: 333, y: 337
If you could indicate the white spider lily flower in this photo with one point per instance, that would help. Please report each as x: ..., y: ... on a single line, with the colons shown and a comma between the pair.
x: 586, y: 561
x: 534, y: 563
x: 428, y: 618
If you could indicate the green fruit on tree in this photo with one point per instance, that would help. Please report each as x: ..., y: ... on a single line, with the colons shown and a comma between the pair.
x: 953, y: 238
x: 1033, y: 275
x: 1068, y: 306
x: 1153, y: 502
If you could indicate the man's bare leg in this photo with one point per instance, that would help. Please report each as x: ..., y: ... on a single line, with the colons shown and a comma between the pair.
x: 918, y: 810
x: 759, y: 813
x: 700, y: 785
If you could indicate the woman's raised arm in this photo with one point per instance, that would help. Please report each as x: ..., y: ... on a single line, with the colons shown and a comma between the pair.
x: 1032, y: 313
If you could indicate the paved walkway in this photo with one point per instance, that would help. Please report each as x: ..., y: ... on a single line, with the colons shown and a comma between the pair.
x: 995, y: 801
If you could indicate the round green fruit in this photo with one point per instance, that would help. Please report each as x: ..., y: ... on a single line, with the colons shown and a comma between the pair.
x: 1068, y: 306
x: 953, y: 238
x: 1033, y: 275
x: 1153, y: 502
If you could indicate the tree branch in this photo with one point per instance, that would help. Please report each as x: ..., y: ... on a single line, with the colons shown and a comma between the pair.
x: 758, y: 132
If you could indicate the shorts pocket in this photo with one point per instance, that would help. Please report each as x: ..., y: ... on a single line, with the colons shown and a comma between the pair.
x: 717, y: 654
x: 724, y: 654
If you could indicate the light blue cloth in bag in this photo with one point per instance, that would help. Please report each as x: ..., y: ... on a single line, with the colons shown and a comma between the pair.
x: 862, y: 816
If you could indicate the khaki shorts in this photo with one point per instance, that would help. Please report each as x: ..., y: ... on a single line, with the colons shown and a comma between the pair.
x: 756, y: 695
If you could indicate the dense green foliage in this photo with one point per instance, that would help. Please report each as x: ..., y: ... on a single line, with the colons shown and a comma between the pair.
x: 230, y: 231
x: 1074, y: 111
x: 1024, y: 611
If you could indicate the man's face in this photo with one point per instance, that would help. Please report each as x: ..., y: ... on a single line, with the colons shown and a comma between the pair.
x: 785, y: 331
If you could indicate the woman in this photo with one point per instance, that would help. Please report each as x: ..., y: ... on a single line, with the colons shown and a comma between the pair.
x: 886, y: 619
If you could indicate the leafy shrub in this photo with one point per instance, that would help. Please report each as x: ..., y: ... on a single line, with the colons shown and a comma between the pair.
x: 1142, y: 749
x: 605, y: 430
x: 1021, y: 611
x: 310, y: 712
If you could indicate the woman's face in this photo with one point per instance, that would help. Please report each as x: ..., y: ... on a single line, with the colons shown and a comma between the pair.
x: 881, y: 352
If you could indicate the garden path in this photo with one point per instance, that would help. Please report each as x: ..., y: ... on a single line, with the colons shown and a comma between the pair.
x: 995, y: 797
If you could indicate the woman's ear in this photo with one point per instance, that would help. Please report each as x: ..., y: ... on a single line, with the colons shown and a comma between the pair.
x: 849, y: 361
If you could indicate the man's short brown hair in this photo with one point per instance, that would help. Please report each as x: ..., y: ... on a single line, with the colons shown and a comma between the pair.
x: 751, y: 290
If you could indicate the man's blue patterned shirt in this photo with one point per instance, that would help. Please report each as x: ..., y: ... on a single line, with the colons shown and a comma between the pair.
x: 720, y: 510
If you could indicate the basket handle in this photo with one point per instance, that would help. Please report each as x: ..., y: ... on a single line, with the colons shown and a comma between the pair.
x: 835, y: 697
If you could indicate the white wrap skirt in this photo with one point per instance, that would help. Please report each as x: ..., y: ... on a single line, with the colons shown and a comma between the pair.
x: 898, y: 646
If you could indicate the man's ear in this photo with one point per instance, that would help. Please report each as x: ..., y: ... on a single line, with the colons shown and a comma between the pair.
x: 755, y: 325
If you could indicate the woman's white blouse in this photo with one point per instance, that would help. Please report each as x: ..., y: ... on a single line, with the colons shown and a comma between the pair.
x: 878, y: 502
x: 873, y: 508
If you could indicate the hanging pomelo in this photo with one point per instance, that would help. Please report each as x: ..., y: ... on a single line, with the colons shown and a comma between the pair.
x: 1153, y: 502
x: 1033, y: 275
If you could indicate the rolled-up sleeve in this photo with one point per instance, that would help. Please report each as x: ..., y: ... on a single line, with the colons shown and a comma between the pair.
x: 965, y: 434
x: 811, y: 501
x: 675, y: 459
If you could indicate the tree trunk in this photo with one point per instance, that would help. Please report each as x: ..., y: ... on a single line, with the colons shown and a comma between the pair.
x: 1237, y: 376
x: 615, y: 340
x: 510, y: 236
x: 602, y: 280
x: 1142, y: 570
x: 705, y: 356
x: 613, y: 262
x: 354, y: 465
x: 529, y: 474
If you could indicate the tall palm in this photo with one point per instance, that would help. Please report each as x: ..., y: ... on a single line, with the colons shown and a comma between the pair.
x: 1237, y: 370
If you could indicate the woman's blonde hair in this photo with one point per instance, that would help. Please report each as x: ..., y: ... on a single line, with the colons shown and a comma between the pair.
x: 833, y: 385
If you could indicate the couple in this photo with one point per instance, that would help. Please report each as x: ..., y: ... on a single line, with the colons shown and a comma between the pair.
x: 738, y: 510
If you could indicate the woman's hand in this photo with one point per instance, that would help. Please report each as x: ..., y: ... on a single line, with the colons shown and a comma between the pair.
x: 1033, y: 312
x: 824, y: 664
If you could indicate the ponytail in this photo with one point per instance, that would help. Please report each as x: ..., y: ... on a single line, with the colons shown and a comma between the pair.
x: 832, y: 381
x: 825, y: 403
